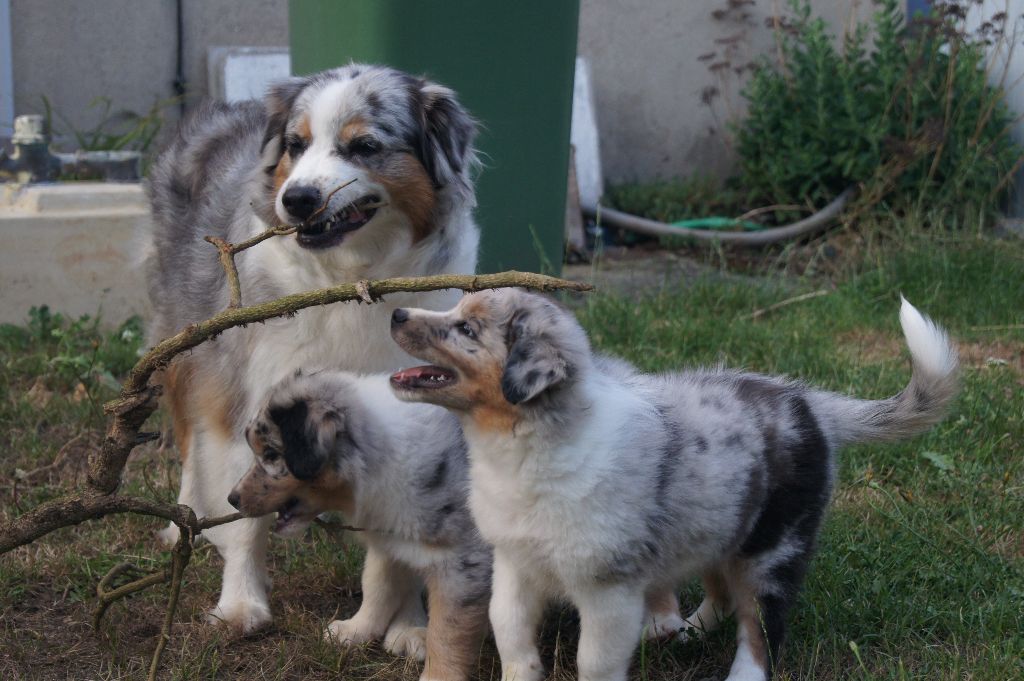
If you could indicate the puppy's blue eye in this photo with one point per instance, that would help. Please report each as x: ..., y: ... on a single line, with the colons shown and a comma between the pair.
x: 466, y: 330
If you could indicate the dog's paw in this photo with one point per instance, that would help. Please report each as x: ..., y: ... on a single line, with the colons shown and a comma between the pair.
x: 168, y: 536
x: 243, y: 617
x: 405, y: 640
x: 667, y: 627
x: 348, y: 632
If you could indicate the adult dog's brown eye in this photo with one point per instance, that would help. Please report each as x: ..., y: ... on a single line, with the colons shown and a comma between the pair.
x: 466, y: 330
x: 295, y: 146
x: 364, y: 146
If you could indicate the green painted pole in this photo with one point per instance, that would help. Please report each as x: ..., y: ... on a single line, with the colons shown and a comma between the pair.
x: 512, y: 66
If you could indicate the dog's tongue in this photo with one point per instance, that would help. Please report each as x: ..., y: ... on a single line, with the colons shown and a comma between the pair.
x: 356, y: 215
x: 422, y: 376
x: 415, y: 372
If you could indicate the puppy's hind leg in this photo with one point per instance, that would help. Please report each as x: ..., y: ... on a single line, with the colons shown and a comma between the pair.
x: 458, y: 621
x: 761, y: 609
x: 663, y: 619
x: 713, y: 610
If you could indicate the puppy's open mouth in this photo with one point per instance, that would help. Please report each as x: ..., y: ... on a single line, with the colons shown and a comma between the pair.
x: 290, y: 518
x: 329, y: 230
x: 426, y: 377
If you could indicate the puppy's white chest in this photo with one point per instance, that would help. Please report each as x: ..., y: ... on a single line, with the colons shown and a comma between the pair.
x: 516, y: 503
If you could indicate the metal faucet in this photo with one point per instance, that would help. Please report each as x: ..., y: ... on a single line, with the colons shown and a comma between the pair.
x: 32, y: 160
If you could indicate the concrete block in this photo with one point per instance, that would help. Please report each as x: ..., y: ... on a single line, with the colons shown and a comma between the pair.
x: 74, y: 247
x: 240, y: 73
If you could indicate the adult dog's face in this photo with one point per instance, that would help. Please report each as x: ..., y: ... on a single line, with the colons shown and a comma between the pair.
x: 363, y: 148
x: 492, y: 354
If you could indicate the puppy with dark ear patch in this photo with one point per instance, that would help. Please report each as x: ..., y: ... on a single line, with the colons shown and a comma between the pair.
x: 337, y: 441
x: 534, y: 363
x: 607, y: 487
x: 374, y: 170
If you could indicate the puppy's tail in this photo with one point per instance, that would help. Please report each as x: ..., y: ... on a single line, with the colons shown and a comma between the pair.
x: 919, y: 406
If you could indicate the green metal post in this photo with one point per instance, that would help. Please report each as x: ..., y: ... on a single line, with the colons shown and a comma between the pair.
x: 512, y: 66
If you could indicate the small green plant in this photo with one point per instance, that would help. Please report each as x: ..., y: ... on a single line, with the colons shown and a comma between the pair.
x: 904, y: 111
x: 66, y: 352
x: 120, y: 130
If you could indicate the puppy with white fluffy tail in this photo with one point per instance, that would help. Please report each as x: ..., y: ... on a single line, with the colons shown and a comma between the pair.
x: 607, y: 487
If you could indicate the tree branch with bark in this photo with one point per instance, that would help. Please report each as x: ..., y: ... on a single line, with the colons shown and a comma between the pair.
x: 138, y: 399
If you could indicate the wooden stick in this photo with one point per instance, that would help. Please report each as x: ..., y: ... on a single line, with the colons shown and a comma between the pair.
x: 788, y: 301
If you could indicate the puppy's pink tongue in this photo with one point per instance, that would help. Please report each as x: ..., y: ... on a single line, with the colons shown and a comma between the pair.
x: 356, y: 215
x: 411, y: 373
x: 422, y: 377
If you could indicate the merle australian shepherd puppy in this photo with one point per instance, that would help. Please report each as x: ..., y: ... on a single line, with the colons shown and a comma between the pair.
x: 236, y: 170
x: 604, y: 486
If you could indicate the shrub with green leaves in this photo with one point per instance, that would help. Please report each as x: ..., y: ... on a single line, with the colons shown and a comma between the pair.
x: 64, y: 351
x: 904, y: 110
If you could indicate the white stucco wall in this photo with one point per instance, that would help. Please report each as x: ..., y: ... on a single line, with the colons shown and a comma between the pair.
x: 649, y: 59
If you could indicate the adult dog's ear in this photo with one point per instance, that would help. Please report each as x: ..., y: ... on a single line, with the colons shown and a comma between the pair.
x: 446, y: 145
x: 279, y: 100
x: 307, y: 440
x: 535, y: 362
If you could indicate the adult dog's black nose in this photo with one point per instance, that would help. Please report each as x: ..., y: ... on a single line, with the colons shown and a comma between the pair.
x: 234, y: 499
x: 399, y: 316
x: 301, y: 201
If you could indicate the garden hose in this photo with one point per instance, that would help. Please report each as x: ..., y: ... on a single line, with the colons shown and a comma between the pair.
x: 718, y: 223
x: 771, y: 235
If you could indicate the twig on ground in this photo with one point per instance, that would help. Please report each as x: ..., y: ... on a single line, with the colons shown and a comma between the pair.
x: 58, y: 460
x: 107, y: 597
x: 768, y: 209
x: 998, y: 327
x: 788, y: 301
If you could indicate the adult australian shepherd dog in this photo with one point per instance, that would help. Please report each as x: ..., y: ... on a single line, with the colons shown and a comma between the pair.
x: 236, y: 170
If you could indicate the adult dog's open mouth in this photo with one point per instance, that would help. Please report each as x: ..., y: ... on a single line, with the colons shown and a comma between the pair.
x: 329, y: 230
x: 426, y: 377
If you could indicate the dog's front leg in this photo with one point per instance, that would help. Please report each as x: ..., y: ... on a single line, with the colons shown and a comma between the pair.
x: 611, y: 620
x: 407, y: 634
x: 243, y: 602
x: 387, y: 586
x: 515, y: 612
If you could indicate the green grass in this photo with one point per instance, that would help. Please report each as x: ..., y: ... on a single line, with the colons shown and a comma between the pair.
x: 920, y: 574
x: 921, y: 568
